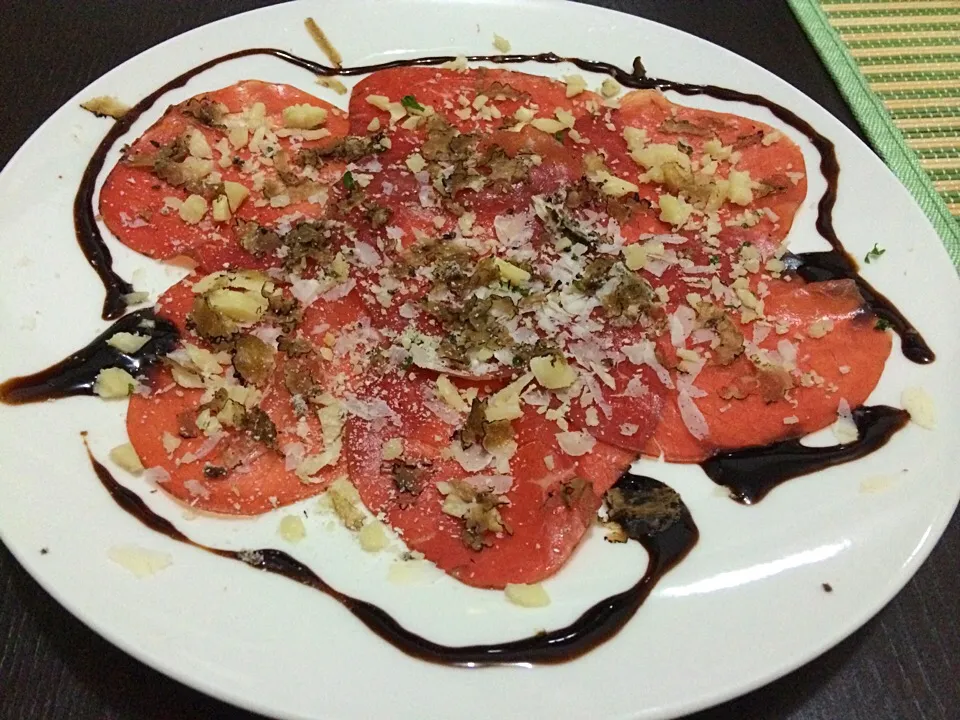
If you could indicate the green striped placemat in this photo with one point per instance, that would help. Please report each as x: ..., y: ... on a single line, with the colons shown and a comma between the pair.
x: 897, y: 63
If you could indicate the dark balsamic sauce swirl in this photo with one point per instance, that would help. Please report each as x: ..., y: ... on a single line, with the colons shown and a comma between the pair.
x: 667, y: 543
x: 834, y: 264
x: 752, y: 472
x: 77, y: 374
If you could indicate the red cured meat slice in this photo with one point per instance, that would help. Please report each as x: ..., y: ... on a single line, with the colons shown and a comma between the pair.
x: 133, y: 201
x: 261, y: 481
x: 627, y: 414
x: 546, y: 526
x: 442, y: 89
x: 844, y: 363
x: 771, y: 158
x: 448, y: 93
x: 774, y: 162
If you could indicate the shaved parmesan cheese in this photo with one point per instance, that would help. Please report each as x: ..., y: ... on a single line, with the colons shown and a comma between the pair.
x: 416, y: 163
x: 156, y: 475
x: 692, y: 418
x: 373, y: 537
x: 547, y: 125
x: 511, y: 273
x: 473, y: 459
x: 305, y: 290
x: 552, y: 373
x: 128, y: 342
x: 643, y: 353
x: 674, y: 210
x: 193, y: 209
x: 501, y: 44
x: 366, y: 255
x: 126, y: 457
x: 635, y: 256
x: 198, y: 146
x: 141, y: 562
x: 292, y: 529
x: 113, y: 383
x: 513, y: 230
x: 845, y: 429
x: 682, y: 322
x: 196, y: 488
x: 505, y: 405
x: 576, y: 443
x: 919, y: 404
x: 448, y: 392
x: 614, y: 186
x: 293, y: 455
x: 221, y: 208
x: 392, y: 449
x: 338, y: 292
x: 374, y: 411
x: 740, y: 189
x: 498, y: 484
x: 106, y: 106
x: 306, y: 117
x: 610, y: 88
x: 528, y: 596
x: 170, y: 442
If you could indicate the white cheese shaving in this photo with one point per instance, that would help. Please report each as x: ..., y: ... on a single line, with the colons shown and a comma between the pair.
x: 576, y: 443
x: 919, y: 404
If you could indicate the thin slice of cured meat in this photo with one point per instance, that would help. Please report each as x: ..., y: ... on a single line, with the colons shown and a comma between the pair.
x: 485, y: 522
x: 729, y: 171
x: 456, y: 155
x: 818, y: 345
x: 625, y: 407
x: 252, y: 421
x: 232, y: 155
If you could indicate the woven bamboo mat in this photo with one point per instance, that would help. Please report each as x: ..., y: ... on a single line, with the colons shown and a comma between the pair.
x: 897, y: 63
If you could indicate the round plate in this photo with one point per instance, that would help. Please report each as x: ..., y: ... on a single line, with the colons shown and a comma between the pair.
x: 746, y: 606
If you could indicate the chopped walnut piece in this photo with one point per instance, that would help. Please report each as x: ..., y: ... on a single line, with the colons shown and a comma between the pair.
x: 774, y: 382
x: 252, y: 359
x: 205, y: 111
x: 731, y: 339
x: 260, y: 427
x: 478, y: 509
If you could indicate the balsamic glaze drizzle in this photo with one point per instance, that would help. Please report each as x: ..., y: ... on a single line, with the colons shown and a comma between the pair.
x: 76, y: 374
x: 752, y: 472
x: 667, y: 543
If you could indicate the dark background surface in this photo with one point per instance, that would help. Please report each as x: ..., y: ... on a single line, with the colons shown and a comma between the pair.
x: 903, y: 665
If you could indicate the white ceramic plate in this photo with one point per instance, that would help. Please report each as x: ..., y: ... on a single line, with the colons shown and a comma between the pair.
x: 745, y: 607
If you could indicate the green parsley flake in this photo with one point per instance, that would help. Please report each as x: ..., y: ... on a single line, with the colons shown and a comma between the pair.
x: 348, y: 182
x: 410, y: 103
x: 875, y: 252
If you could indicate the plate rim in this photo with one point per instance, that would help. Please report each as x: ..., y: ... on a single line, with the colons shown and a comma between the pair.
x: 29, y: 564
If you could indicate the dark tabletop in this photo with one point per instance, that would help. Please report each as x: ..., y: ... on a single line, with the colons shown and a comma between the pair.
x: 903, y: 665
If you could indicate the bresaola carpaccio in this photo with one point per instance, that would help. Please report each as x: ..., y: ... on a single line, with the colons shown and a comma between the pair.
x: 470, y: 302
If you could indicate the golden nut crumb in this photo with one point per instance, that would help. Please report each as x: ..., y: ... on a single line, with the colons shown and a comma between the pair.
x: 373, y: 537
x: 126, y: 457
x: 292, y: 529
x: 113, y: 383
x: 529, y: 596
